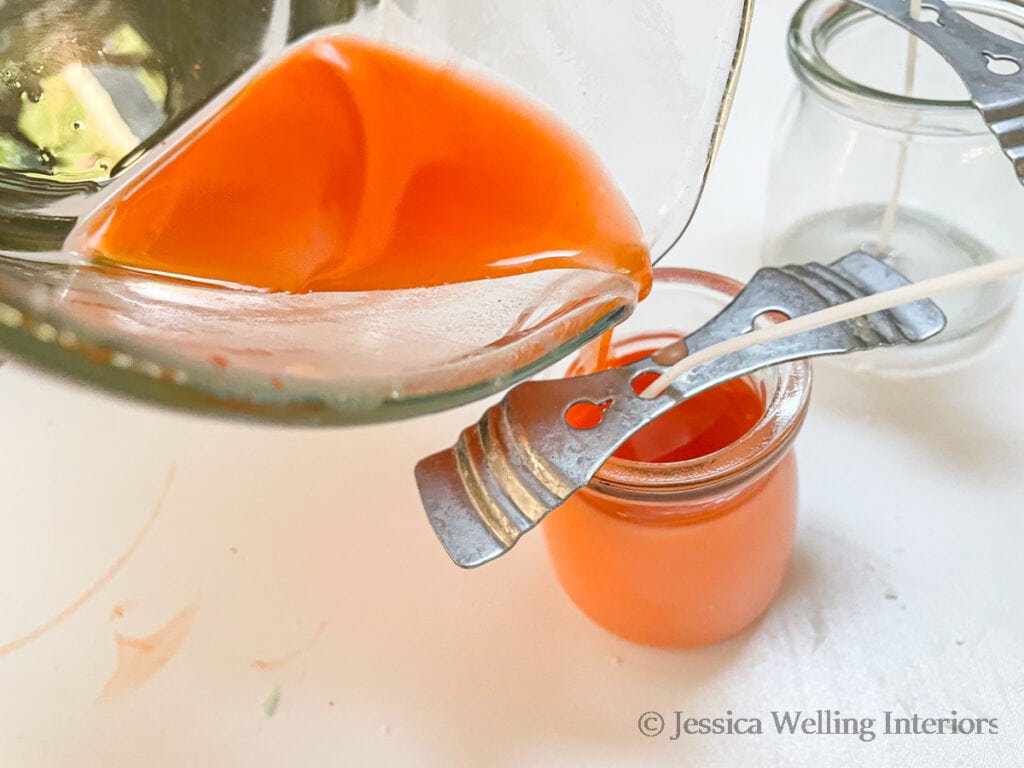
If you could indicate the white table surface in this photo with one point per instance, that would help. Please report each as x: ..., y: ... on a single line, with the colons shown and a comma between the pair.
x: 308, y: 550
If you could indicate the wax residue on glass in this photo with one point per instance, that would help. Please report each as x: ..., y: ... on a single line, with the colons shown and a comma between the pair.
x: 347, y: 166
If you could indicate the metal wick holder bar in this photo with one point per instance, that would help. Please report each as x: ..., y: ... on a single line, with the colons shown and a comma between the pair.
x: 522, y: 459
x: 991, y: 66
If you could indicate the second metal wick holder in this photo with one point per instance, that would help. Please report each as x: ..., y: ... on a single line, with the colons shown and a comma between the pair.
x: 991, y: 66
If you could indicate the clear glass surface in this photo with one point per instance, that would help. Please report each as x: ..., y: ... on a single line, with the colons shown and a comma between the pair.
x: 835, y: 170
x: 117, y: 84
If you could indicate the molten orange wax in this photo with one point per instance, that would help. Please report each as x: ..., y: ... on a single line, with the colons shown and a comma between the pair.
x: 699, y: 426
x: 347, y: 166
x: 686, y: 569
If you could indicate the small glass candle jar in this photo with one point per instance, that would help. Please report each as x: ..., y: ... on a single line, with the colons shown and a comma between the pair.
x: 836, y: 185
x: 682, y: 553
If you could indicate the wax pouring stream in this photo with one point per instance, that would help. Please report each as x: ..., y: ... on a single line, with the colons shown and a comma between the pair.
x: 523, y: 458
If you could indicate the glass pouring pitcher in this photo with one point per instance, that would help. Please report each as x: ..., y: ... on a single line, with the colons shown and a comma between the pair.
x: 94, y: 92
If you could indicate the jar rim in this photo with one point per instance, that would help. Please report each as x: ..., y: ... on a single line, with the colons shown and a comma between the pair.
x: 755, y: 452
x: 815, y: 20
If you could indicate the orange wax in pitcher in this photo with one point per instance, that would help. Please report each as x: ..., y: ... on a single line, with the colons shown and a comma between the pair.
x: 683, y: 537
x: 348, y: 166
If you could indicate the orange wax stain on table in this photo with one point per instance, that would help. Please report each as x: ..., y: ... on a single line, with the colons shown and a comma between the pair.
x: 139, y: 658
x: 673, y: 566
x: 347, y: 166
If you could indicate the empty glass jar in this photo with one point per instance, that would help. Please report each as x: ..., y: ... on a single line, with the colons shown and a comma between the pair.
x: 834, y: 173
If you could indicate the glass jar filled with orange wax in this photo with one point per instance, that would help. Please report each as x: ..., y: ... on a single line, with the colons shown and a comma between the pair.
x: 682, y: 538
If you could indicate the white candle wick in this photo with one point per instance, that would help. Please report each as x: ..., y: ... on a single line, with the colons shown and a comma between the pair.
x: 986, y: 273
